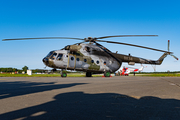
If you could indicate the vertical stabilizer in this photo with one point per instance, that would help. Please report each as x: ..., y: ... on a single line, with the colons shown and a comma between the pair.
x: 160, y: 60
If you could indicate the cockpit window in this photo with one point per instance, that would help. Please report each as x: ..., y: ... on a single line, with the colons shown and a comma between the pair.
x: 49, y: 54
x: 53, y: 56
x: 87, y: 49
x: 59, y: 57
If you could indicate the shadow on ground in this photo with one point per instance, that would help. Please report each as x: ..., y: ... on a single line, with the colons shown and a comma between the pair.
x: 12, y: 89
x: 82, y: 106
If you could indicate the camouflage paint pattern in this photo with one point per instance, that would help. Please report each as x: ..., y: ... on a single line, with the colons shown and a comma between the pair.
x: 93, y: 58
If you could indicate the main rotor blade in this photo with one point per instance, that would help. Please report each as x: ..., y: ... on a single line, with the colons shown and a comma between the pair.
x: 127, y: 36
x: 133, y: 45
x: 43, y: 38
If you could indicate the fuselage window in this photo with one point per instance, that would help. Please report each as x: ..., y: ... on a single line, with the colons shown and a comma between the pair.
x: 53, y: 56
x: 92, y: 61
x: 87, y: 49
x: 59, y: 57
x: 97, y: 62
x: 72, y: 58
x: 77, y: 59
x: 85, y: 60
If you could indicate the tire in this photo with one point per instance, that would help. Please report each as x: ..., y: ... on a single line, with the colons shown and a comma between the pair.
x: 64, y: 75
x: 88, y: 74
x: 107, y: 74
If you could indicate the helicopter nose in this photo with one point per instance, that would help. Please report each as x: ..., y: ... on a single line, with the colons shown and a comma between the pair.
x: 45, y: 60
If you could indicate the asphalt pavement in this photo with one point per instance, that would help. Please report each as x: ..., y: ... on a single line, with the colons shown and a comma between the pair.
x: 96, y: 98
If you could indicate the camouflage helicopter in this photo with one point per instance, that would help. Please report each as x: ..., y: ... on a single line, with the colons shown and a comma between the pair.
x: 93, y: 57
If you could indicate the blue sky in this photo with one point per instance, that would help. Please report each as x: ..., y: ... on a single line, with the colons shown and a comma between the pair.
x: 84, y: 18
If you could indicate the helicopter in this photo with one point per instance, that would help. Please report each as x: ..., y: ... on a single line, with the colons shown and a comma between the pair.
x: 126, y: 70
x: 92, y: 57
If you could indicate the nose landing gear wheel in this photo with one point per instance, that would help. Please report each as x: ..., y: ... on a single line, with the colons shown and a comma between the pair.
x: 107, y: 74
x: 64, y: 75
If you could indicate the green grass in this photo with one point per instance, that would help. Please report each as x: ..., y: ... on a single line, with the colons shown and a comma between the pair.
x: 34, y: 75
x: 45, y: 75
x: 162, y: 75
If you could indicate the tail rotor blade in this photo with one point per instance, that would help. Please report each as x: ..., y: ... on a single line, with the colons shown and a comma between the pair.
x: 168, y: 45
x: 174, y: 57
x: 171, y: 53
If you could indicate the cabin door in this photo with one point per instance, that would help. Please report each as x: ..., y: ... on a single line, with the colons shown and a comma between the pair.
x: 71, y: 61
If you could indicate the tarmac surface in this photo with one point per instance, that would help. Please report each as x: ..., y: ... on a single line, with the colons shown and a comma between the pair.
x: 96, y: 98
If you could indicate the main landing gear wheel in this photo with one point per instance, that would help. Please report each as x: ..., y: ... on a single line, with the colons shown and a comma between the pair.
x: 88, y: 74
x: 64, y: 74
x: 107, y: 74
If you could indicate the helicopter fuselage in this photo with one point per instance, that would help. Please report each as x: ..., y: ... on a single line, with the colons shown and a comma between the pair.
x: 82, y: 57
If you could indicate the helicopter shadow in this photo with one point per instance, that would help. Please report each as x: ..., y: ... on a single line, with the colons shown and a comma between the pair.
x: 17, y: 88
x: 105, y: 106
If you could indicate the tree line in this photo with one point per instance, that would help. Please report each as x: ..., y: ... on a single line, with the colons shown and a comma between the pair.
x: 25, y: 68
x: 10, y: 69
